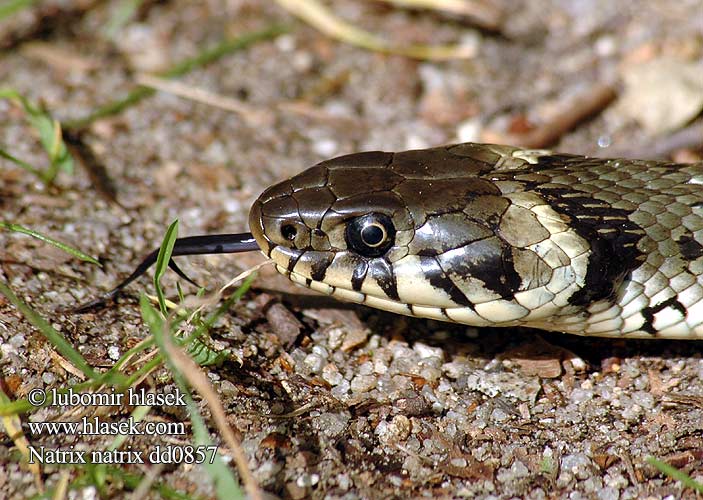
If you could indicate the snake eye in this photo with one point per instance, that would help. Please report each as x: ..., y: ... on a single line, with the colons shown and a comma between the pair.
x: 370, y: 235
x: 289, y: 232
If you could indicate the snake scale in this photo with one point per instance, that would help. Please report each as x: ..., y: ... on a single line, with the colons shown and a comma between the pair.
x: 490, y: 235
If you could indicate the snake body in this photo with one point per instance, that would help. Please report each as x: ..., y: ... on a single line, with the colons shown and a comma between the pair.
x: 490, y: 235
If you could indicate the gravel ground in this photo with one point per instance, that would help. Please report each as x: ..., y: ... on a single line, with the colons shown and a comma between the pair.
x: 365, y: 404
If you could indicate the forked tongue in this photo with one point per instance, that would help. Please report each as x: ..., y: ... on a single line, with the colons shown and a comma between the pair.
x: 191, y: 245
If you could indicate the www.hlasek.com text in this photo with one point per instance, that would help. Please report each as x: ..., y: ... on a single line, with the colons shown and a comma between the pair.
x: 95, y: 426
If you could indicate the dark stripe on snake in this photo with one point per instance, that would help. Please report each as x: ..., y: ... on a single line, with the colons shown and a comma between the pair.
x: 614, y: 254
x: 488, y: 260
x: 319, y: 267
x: 382, y: 271
x: 690, y: 249
x: 650, y: 312
x: 359, y: 274
x: 438, y: 279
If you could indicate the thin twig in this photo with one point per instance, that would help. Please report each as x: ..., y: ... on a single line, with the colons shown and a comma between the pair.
x: 243, y: 275
x: 580, y: 108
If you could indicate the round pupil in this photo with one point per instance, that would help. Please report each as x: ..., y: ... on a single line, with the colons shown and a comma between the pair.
x: 373, y: 235
x: 289, y: 232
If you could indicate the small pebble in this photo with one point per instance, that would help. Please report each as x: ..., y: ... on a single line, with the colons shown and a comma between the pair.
x: 331, y: 375
x: 314, y: 362
x: 325, y: 147
x: 363, y: 383
x: 17, y: 341
x: 114, y: 352
x: 394, y: 431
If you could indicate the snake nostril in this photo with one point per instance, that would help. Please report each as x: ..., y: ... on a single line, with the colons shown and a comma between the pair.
x: 289, y: 232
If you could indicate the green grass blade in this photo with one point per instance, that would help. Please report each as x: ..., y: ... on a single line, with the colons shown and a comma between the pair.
x: 20, y: 163
x: 211, y: 318
x: 60, y: 344
x: 125, y: 11
x: 9, y: 7
x: 63, y: 246
x: 225, y: 483
x: 207, y: 56
x: 162, y: 261
x: 676, y: 474
x: 203, y: 354
x: 50, y: 135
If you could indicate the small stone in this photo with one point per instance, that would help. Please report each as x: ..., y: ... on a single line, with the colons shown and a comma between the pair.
x: 425, y: 351
x: 644, y: 399
x: 662, y: 94
x: 456, y: 369
x: 577, y: 464
x: 17, y: 341
x: 342, y: 389
x: 363, y: 383
x: 113, y: 352
x: 394, y: 431
x: 519, y: 469
x: 580, y: 395
x: 314, y: 363
x: 332, y: 425
x: 325, y: 147
x: 320, y: 351
x: 331, y: 375
x: 344, y: 481
x: 499, y: 415
x: 380, y: 367
x: 366, y: 368
x: 632, y: 412
x: 431, y: 374
x: 608, y: 494
x: 228, y: 389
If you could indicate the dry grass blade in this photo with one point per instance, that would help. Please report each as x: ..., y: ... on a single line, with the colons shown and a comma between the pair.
x: 59, y: 58
x: 243, y: 275
x: 13, y: 429
x: 485, y: 14
x: 61, y: 488
x: 199, y: 381
x: 319, y: 16
x: 142, y: 490
x: 253, y: 117
x: 66, y: 365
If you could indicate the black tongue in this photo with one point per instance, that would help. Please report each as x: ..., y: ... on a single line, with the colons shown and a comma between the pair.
x: 191, y: 245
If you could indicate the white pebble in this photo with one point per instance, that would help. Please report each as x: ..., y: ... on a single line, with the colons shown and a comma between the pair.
x: 114, y: 352
x: 325, y: 147
x: 363, y: 383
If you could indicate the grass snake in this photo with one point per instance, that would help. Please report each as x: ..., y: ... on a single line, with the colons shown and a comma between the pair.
x: 490, y: 235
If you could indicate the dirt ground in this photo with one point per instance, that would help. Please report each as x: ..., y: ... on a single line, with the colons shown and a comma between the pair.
x: 332, y: 400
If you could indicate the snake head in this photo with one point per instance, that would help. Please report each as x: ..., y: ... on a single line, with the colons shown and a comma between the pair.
x: 336, y: 225
x: 417, y: 233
